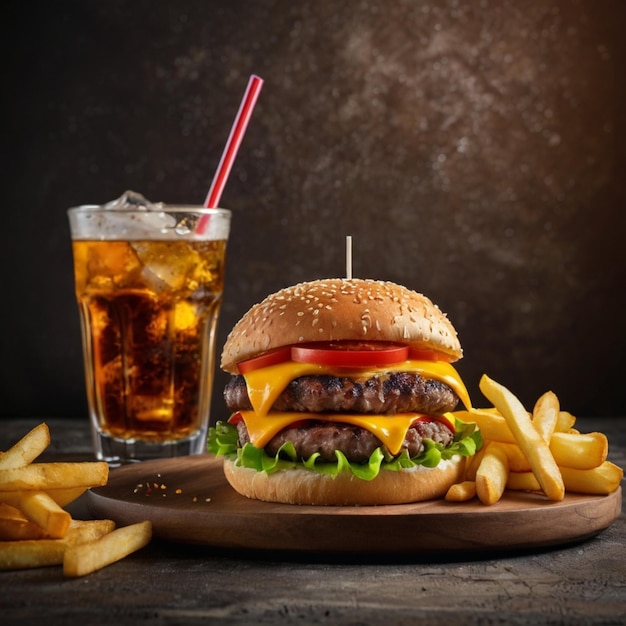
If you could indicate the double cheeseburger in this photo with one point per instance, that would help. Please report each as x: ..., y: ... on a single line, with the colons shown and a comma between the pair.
x: 341, y: 394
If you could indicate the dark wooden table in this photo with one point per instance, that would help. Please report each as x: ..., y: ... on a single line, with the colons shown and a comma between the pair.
x: 169, y: 583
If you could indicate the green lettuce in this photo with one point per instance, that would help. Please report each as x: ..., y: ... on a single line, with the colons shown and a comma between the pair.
x: 223, y: 439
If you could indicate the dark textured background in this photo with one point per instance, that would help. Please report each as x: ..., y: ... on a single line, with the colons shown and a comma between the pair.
x: 475, y: 151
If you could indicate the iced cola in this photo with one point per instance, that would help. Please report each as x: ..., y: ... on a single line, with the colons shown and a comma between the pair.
x: 149, y: 287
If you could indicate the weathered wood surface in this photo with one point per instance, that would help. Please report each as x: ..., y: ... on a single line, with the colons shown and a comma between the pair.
x: 174, y: 583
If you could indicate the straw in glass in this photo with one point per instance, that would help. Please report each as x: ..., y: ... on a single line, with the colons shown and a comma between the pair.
x: 232, y: 145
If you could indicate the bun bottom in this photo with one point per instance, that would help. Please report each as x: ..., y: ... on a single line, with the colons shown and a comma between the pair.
x: 301, y: 486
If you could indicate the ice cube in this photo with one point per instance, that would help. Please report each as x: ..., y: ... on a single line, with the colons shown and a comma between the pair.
x: 166, y: 263
x: 132, y: 200
x: 153, y: 222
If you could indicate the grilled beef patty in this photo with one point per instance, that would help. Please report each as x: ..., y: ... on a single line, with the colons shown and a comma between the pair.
x: 396, y: 392
x: 355, y: 442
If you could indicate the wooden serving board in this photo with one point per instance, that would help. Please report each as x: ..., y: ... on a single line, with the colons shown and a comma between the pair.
x: 188, y: 500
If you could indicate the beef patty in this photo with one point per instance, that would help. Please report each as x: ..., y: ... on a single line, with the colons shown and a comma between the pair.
x: 356, y: 443
x: 396, y: 392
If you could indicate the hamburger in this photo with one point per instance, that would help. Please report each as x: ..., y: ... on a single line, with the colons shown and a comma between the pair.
x: 342, y: 392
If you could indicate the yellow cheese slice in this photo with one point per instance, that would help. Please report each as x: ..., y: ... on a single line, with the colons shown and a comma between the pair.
x: 266, y: 384
x: 390, y: 429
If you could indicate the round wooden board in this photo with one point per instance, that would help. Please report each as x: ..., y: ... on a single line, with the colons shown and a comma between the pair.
x: 188, y: 500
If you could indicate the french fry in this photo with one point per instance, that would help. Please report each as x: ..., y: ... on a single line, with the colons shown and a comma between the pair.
x: 35, y: 530
x: 94, y: 555
x: 44, y: 552
x: 543, y: 450
x: 546, y: 415
x: 44, y: 476
x: 82, y: 531
x: 522, y: 481
x: 515, y: 457
x: 62, y: 497
x: 16, y: 530
x: 10, y: 512
x: 473, y: 463
x: 564, y: 422
x: 491, y: 475
x: 14, y: 525
x: 31, y: 553
x: 43, y: 511
x: 578, y: 450
x: 461, y: 492
x: 600, y: 480
x: 27, y: 449
x: 492, y: 425
x: 528, y: 439
x: 495, y: 428
x: 66, y: 496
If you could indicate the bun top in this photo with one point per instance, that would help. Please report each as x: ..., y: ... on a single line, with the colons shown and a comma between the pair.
x: 340, y: 309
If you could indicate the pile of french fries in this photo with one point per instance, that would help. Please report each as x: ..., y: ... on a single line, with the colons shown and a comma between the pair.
x: 540, y: 451
x: 35, y: 529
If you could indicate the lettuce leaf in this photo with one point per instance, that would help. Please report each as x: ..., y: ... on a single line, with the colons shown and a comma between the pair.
x: 223, y: 439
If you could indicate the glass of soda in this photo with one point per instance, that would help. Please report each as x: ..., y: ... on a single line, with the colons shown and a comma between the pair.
x: 149, y: 280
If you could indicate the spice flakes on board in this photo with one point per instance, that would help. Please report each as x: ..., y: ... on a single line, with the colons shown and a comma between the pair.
x: 159, y: 488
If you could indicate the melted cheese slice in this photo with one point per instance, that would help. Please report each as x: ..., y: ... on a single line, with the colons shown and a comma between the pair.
x: 266, y: 384
x: 390, y: 429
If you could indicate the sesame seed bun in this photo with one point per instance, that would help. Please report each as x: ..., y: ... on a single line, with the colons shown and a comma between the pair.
x: 340, y: 309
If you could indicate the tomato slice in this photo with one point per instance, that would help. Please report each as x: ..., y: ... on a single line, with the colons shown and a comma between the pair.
x: 424, y: 354
x: 342, y: 354
x: 235, y: 418
x: 436, y: 418
x: 273, y: 357
x: 350, y: 353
